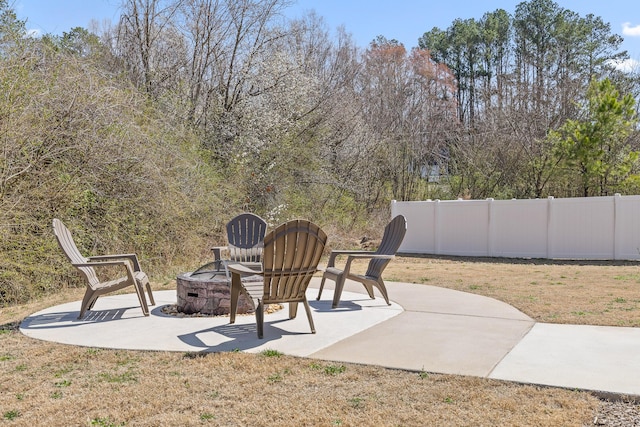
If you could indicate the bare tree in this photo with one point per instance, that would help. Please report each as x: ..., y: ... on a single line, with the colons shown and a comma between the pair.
x: 149, y: 42
x: 409, y: 102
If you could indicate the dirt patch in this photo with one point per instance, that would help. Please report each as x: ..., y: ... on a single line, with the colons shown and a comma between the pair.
x: 172, y: 310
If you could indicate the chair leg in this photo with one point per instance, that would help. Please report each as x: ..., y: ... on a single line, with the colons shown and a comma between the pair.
x: 235, y: 294
x: 308, y: 309
x: 293, y: 310
x: 383, y: 290
x: 151, y: 300
x: 141, y: 298
x: 321, y: 287
x: 260, y: 319
x: 143, y: 280
x: 369, y: 289
x: 87, y: 301
x: 94, y: 298
x: 338, y: 290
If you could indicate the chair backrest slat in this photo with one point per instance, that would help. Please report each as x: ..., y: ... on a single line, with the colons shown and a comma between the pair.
x: 392, y: 238
x: 68, y: 246
x: 291, y: 255
x: 245, y: 235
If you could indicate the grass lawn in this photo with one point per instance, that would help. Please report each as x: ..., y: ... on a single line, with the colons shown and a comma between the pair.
x: 51, y: 384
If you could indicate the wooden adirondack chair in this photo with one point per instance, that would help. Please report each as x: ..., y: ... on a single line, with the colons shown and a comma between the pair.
x: 392, y: 238
x: 290, y: 258
x: 245, y: 236
x: 95, y: 287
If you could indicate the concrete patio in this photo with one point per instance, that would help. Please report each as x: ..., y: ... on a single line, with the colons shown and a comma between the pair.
x: 426, y: 328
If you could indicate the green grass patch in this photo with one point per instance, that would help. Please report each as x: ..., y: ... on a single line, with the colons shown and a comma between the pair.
x: 11, y: 415
x: 334, y: 369
x: 125, y: 377
x: 356, y: 402
x: 275, y: 378
x: 105, y: 422
x: 207, y: 416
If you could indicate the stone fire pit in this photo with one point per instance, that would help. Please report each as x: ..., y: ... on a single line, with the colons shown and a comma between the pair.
x: 207, y: 291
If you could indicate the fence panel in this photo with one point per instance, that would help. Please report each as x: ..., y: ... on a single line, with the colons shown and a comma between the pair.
x: 628, y: 230
x: 519, y: 228
x: 463, y: 231
x: 575, y: 228
x: 582, y: 228
x: 420, y: 216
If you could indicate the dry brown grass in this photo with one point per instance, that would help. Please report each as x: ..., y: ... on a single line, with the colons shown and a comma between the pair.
x: 52, y: 384
x: 55, y: 385
x: 572, y: 292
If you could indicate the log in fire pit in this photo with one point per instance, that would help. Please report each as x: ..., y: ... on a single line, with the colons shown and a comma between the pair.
x: 207, y: 291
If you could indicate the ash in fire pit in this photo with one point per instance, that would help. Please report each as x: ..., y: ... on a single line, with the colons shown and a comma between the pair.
x: 208, y: 291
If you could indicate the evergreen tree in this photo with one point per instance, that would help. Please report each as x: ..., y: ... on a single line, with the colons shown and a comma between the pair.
x: 595, y: 148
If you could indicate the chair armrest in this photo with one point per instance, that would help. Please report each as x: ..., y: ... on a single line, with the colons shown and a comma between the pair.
x: 217, y: 252
x: 123, y: 262
x: 354, y: 254
x: 336, y: 252
x: 362, y: 255
x: 131, y: 257
x: 347, y: 251
x: 244, y: 269
x: 371, y: 255
x: 99, y: 263
x: 256, y: 267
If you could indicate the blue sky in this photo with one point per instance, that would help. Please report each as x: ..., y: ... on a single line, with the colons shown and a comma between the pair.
x: 403, y: 20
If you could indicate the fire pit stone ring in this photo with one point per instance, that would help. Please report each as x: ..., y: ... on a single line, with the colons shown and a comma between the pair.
x: 207, y: 291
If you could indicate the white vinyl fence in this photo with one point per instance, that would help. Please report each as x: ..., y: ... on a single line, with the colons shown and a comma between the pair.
x: 598, y: 228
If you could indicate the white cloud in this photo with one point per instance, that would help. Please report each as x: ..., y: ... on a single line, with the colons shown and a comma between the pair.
x: 628, y: 30
x: 34, y: 33
x: 627, y: 66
